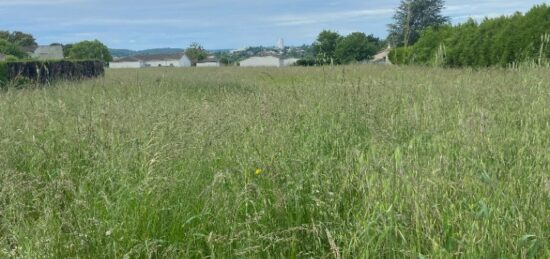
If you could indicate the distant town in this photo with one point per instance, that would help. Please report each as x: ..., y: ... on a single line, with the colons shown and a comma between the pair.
x: 274, y: 56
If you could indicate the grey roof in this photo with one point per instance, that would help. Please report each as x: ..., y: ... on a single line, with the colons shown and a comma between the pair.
x: 127, y: 59
x: 155, y: 57
x: 209, y: 59
x: 48, y: 52
x: 29, y: 49
x: 163, y: 57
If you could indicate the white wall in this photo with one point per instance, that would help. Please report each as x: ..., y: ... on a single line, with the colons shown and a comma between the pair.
x: 208, y: 64
x: 183, y: 62
x: 268, y: 61
x: 163, y: 63
x: 133, y: 64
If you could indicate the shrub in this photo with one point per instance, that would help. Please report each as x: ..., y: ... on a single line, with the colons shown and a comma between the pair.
x: 46, y: 71
x: 401, y: 56
x: 3, y: 73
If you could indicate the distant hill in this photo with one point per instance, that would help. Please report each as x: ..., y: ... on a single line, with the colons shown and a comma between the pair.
x: 129, y: 53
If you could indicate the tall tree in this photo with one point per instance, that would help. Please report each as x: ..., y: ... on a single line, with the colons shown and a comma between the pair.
x: 195, y: 53
x: 414, y: 16
x: 325, y: 46
x: 90, y: 50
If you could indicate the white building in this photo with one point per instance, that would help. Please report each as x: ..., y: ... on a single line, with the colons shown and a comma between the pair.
x: 267, y: 61
x: 54, y: 52
x: 166, y: 60
x: 129, y: 62
x: 209, y: 62
x: 160, y: 60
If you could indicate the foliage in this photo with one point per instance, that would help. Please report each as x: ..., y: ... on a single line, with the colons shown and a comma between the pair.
x: 67, y: 49
x: 3, y: 73
x: 401, y: 56
x: 325, y: 46
x: 357, y: 47
x: 93, y: 50
x: 493, y: 42
x: 355, y: 162
x: 48, y: 71
x: 332, y: 48
x: 18, y: 38
x: 414, y: 16
x: 196, y: 53
x: 8, y: 48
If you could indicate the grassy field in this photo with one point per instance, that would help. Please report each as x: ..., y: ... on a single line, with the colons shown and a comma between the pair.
x: 343, y: 162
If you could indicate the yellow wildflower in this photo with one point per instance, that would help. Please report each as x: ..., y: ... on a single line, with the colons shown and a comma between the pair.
x: 259, y: 171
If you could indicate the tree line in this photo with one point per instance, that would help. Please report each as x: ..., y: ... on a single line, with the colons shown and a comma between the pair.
x: 497, y: 41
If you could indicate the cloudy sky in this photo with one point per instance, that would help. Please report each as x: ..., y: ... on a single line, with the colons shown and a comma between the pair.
x: 216, y: 24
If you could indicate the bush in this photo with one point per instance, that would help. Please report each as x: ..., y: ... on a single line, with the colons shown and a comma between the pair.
x: 89, y: 50
x: 11, y: 49
x: 401, y: 56
x: 3, y: 73
x: 46, y: 71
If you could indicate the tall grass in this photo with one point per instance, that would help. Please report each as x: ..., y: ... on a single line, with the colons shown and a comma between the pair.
x: 339, y: 162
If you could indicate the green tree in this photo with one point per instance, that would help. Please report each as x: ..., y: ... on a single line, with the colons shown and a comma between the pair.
x: 357, y: 47
x: 195, y: 53
x: 325, y: 46
x: 414, y: 16
x: 18, y: 38
x: 90, y: 50
x: 10, y: 49
x: 67, y: 49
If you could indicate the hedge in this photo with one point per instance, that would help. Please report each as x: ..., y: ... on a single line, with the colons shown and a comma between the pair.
x: 47, y: 71
x: 499, y: 41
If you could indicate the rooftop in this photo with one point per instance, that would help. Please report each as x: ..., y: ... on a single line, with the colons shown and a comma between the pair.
x: 154, y: 57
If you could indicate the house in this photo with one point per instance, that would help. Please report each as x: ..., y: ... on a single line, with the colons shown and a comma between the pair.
x: 265, y: 61
x: 290, y: 62
x: 383, y: 57
x: 165, y: 60
x: 128, y: 62
x: 209, y: 62
x: 158, y: 60
x: 48, y: 52
x: 2, y: 57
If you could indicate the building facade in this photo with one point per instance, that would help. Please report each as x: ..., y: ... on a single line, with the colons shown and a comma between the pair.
x: 54, y: 52
x: 160, y: 60
x: 267, y: 61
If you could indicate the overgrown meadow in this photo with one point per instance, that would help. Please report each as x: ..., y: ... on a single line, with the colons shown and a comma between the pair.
x: 328, y: 162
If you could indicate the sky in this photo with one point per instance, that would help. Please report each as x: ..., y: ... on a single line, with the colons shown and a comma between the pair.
x: 217, y: 24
